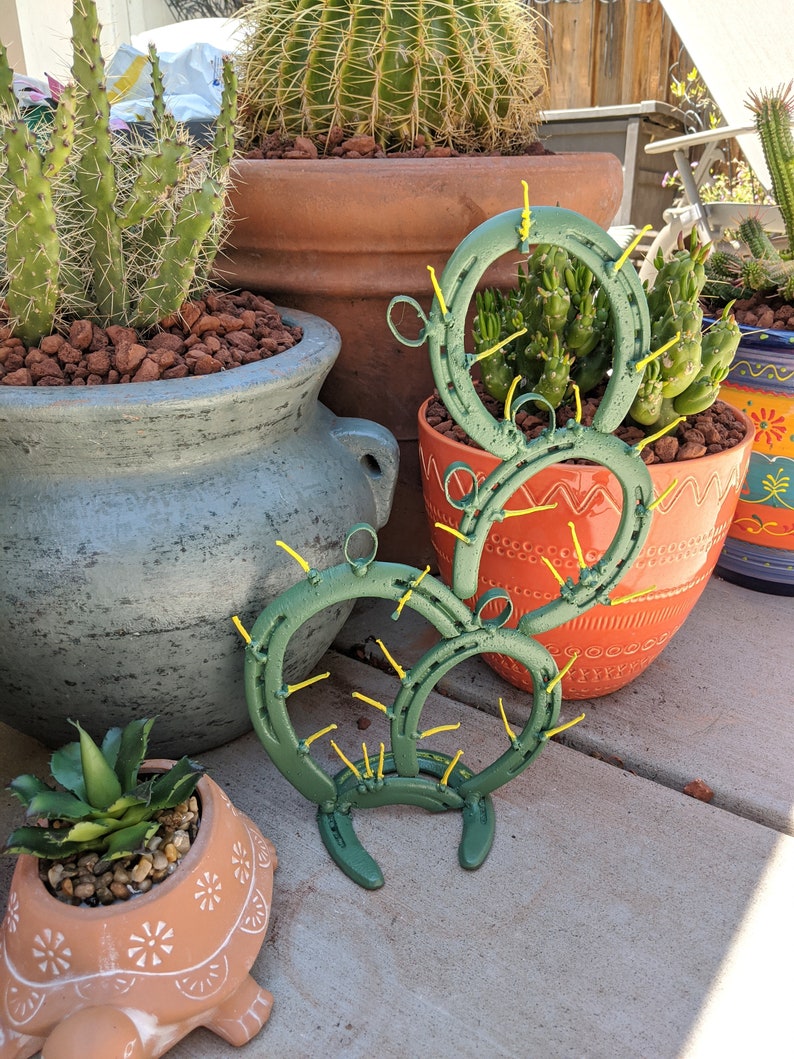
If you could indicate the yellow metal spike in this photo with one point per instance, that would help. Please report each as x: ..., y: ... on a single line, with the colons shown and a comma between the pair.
x: 511, y: 735
x: 560, y: 579
x: 442, y: 304
x: 529, y: 510
x: 368, y: 768
x: 621, y: 261
x: 664, y: 495
x: 511, y: 392
x: 307, y: 683
x: 640, y: 365
x: 577, y: 547
x: 298, y: 558
x: 523, y: 230
x: 369, y: 701
x: 450, y: 767
x: 499, y: 345
x: 440, y: 728
x: 633, y: 595
x: 578, y: 398
x: 562, y: 727
x: 555, y: 680
x: 239, y: 626
x: 347, y: 761
x: 381, y: 756
x: 659, y: 434
x: 414, y: 584
x: 454, y: 532
x: 398, y: 669
x: 318, y: 735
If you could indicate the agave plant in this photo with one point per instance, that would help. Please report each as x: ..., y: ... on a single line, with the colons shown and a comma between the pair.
x: 468, y: 74
x: 117, y: 228
x: 104, y: 806
x: 553, y: 332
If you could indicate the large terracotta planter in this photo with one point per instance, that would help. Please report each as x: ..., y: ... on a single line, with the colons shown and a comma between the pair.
x: 614, y: 644
x: 341, y: 238
x: 136, y: 520
x: 759, y: 549
x: 133, y: 978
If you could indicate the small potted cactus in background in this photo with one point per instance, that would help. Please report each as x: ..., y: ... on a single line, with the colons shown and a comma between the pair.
x: 137, y: 518
x: 104, y: 943
x: 547, y: 345
x: 440, y: 102
x: 759, y: 277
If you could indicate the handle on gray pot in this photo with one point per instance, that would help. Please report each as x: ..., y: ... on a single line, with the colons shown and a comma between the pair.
x: 378, y: 453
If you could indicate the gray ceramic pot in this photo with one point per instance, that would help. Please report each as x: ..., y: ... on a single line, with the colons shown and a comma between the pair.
x: 136, y: 520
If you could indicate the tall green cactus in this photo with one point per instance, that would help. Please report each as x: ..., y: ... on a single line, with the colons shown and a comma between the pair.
x: 468, y: 74
x: 92, y: 222
x: 555, y: 332
x: 763, y: 266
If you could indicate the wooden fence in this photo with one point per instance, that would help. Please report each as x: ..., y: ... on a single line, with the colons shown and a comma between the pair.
x: 608, y: 52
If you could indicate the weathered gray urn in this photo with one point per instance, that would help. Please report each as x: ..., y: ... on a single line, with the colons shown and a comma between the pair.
x: 136, y: 520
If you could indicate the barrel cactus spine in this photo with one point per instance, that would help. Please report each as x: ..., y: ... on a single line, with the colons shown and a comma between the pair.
x: 469, y: 75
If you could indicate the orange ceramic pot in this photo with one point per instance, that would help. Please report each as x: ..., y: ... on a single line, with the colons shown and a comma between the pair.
x: 614, y: 644
x: 133, y: 978
x: 341, y: 238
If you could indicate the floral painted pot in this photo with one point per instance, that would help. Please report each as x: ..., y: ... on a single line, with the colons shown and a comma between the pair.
x: 133, y: 978
x: 759, y: 549
x: 136, y: 520
x: 614, y: 644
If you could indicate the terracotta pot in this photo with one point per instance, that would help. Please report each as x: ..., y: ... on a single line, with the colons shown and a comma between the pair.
x: 759, y: 550
x: 340, y: 239
x: 136, y: 520
x: 614, y: 644
x: 133, y: 978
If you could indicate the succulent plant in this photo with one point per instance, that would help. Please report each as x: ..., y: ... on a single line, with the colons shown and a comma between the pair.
x: 104, y: 806
x: 554, y: 330
x: 469, y: 75
x: 762, y: 265
x: 113, y: 226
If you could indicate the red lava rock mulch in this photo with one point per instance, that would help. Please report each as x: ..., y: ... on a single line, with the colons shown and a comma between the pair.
x: 708, y: 432
x: 220, y: 332
x: 771, y: 314
x: 337, y: 146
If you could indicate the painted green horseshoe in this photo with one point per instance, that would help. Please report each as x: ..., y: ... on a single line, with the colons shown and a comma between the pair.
x: 445, y: 330
x: 406, y: 775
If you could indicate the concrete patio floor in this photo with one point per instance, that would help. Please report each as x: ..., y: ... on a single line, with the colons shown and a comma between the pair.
x: 615, y: 917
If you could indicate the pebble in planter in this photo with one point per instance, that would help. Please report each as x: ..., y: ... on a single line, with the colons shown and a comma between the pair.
x: 411, y: 771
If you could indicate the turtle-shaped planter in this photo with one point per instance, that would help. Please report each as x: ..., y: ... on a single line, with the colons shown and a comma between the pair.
x: 135, y: 977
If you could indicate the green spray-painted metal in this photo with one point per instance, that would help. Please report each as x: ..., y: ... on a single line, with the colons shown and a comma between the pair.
x: 406, y: 774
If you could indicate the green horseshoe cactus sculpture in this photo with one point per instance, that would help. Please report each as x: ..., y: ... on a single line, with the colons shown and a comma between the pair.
x: 405, y: 774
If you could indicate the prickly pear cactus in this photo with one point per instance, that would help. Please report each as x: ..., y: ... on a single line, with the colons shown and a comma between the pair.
x: 469, y: 75
x: 98, y: 223
x: 406, y: 772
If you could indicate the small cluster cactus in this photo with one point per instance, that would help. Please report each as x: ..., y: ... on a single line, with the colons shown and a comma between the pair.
x: 104, y: 806
x: 554, y: 331
x: 763, y: 267
x: 112, y: 226
x: 470, y: 75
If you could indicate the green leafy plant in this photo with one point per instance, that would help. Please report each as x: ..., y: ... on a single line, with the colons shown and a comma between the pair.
x: 104, y: 806
x: 93, y: 222
x: 469, y: 75
x: 761, y: 264
x: 553, y: 331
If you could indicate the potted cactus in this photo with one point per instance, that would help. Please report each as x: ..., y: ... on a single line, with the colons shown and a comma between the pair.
x: 441, y: 101
x: 137, y: 518
x: 545, y: 349
x: 759, y: 550
x: 133, y: 975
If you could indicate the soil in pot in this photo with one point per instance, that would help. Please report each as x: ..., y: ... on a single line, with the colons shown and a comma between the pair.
x: 219, y: 332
